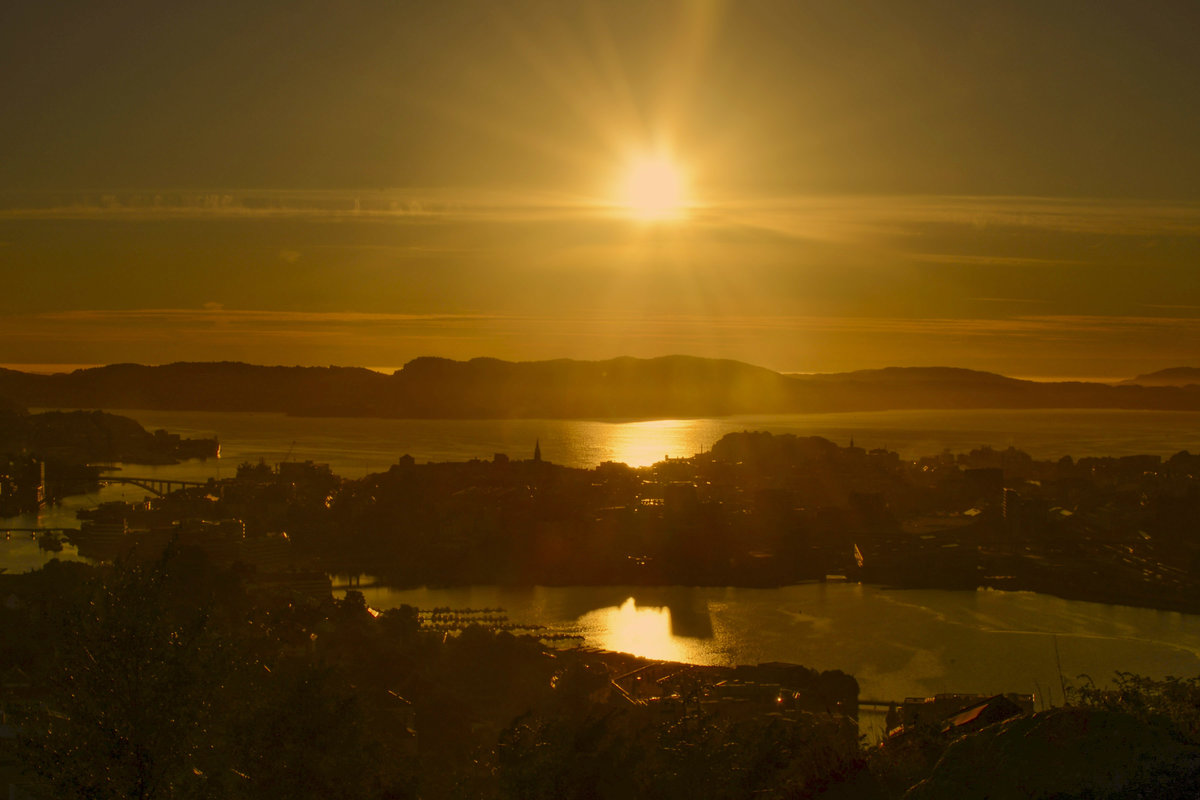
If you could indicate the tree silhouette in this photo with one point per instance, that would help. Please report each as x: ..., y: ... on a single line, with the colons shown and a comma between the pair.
x: 156, y: 692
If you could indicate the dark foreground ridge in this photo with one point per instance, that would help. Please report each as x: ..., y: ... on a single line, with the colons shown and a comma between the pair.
x: 672, y: 386
x: 178, y: 679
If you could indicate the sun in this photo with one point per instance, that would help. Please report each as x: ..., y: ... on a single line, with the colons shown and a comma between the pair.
x: 654, y: 189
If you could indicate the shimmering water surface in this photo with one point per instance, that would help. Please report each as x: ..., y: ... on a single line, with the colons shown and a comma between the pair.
x: 896, y: 643
x: 357, y: 447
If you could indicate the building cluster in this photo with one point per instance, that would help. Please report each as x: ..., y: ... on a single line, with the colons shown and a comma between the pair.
x: 22, y: 484
x: 756, y: 509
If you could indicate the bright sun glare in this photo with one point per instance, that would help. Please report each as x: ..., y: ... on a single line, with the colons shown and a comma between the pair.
x: 654, y: 189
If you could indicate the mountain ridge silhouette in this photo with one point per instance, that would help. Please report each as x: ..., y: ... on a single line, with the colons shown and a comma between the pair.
x: 624, y: 387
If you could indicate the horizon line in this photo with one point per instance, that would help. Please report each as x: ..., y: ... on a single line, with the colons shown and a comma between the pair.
x: 62, y: 368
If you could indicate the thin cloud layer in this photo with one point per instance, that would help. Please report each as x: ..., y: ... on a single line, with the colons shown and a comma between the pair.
x: 829, y: 215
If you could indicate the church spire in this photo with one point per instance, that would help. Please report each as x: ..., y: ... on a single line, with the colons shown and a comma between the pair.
x: 537, y: 450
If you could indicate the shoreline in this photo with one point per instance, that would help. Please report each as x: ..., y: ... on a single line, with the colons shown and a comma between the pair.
x: 1079, y: 596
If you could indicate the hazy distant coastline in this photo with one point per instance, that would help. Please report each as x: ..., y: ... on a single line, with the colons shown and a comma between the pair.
x: 484, y: 388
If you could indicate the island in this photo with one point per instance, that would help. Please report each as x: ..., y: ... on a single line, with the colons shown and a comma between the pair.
x: 488, y: 388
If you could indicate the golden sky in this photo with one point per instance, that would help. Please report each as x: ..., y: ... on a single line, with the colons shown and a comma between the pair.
x: 809, y: 186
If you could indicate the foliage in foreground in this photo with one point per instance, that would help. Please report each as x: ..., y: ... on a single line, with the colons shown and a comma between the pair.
x: 635, y: 752
x: 1174, y: 701
x: 154, y: 689
x: 168, y: 680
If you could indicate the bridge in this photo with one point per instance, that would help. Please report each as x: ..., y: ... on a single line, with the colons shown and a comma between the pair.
x: 158, y: 486
x: 880, y: 703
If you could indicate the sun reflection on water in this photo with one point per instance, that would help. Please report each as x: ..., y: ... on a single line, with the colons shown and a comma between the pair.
x: 640, y: 444
x: 644, y: 631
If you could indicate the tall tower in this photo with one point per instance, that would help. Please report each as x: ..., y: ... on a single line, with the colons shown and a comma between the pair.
x: 537, y: 450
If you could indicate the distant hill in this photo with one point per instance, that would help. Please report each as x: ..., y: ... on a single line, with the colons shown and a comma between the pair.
x: 954, y: 388
x: 81, y: 437
x: 9, y: 407
x: 208, y: 386
x: 1175, y: 376
x: 672, y: 386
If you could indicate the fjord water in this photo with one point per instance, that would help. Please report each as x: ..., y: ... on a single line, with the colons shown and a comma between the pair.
x: 354, y: 447
x: 896, y: 643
